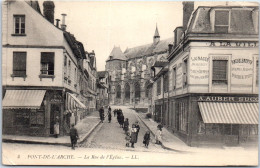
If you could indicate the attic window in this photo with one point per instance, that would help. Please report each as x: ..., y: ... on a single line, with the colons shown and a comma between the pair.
x: 221, y: 21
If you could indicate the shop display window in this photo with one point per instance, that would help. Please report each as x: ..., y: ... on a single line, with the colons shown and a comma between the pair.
x: 22, y: 117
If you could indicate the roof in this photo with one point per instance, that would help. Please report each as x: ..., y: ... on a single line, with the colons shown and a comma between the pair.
x: 160, y: 63
x: 102, y: 74
x: 156, y: 33
x: 148, y: 49
x: 241, y: 19
x: 116, y: 53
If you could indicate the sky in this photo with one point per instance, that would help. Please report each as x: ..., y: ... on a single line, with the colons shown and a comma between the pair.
x: 101, y: 25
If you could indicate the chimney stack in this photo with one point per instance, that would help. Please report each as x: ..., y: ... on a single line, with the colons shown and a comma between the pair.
x: 48, y: 10
x: 63, y: 26
x: 57, y: 22
x: 188, y: 7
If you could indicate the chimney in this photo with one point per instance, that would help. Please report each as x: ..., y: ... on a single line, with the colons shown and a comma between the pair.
x: 170, y: 47
x: 188, y: 7
x: 57, y: 23
x: 177, y: 35
x: 63, y: 26
x: 48, y: 10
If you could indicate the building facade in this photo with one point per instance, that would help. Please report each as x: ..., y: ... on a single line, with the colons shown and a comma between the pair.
x: 102, y: 89
x: 208, y: 92
x: 43, y: 77
x: 130, y: 72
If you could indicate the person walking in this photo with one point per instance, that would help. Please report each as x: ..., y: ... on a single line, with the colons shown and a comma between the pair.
x: 109, y: 116
x: 56, y: 129
x: 133, y: 136
x: 73, y: 136
x: 121, y: 120
x: 146, y: 139
x: 158, y: 136
x: 127, y: 139
x: 109, y: 109
x: 137, y: 129
x: 101, y: 114
x: 126, y: 125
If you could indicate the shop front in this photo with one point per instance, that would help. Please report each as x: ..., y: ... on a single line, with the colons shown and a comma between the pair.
x: 32, y: 112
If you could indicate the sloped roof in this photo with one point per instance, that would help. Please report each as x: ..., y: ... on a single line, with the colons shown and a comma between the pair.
x: 241, y: 20
x: 148, y: 49
x: 102, y: 74
x: 156, y: 33
x: 116, y: 53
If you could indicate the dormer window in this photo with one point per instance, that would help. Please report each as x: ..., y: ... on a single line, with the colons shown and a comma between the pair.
x: 221, y: 21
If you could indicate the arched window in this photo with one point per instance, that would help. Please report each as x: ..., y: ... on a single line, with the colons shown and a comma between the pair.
x: 127, y: 91
x: 137, y: 90
x: 118, y: 92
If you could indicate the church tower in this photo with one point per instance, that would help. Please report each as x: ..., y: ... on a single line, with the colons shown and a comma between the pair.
x: 156, y: 37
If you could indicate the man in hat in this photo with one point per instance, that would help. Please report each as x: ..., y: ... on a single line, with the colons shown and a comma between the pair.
x: 73, y: 136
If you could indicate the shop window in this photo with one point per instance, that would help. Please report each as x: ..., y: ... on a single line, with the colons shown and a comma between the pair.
x: 19, y: 64
x: 174, y: 78
x: 219, y: 72
x: 185, y: 69
x: 22, y: 117
x: 165, y: 82
x: 159, y: 86
x: 221, y: 21
x: 37, y: 118
x: 253, y: 130
x: 47, y: 63
x: 19, y: 24
x: 183, y: 117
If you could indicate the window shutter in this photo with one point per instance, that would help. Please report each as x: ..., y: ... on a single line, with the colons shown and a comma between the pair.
x: 19, y: 63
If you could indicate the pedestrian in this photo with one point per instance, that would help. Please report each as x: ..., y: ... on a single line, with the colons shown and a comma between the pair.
x: 127, y: 139
x: 73, y: 136
x: 109, y: 109
x: 126, y: 125
x: 158, y: 136
x: 109, y: 116
x: 146, y: 139
x: 137, y: 128
x: 56, y: 129
x: 118, y: 117
x: 133, y: 136
x: 101, y: 114
x: 121, y: 120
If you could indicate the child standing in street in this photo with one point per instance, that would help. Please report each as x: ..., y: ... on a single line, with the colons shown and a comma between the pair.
x: 146, y: 139
x: 127, y: 139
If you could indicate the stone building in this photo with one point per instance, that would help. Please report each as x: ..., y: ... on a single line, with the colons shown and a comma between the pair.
x: 130, y: 72
x: 43, y: 78
x: 102, y: 89
x: 207, y: 93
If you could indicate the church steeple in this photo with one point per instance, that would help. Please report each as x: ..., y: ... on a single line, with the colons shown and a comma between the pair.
x: 156, y: 37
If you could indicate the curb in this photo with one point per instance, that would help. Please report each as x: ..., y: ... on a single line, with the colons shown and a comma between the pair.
x: 89, y: 133
x: 163, y: 146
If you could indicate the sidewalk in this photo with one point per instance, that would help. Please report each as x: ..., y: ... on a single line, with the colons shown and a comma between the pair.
x: 85, y: 127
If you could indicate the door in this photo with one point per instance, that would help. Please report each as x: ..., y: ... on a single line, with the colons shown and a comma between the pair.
x: 54, y: 116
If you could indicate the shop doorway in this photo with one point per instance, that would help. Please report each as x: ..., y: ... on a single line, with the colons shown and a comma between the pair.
x: 54, y: 116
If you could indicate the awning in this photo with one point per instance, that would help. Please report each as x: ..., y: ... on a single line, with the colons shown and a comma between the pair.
x: 229, y: 113
x: 20, y: 99
x: 73, y: 103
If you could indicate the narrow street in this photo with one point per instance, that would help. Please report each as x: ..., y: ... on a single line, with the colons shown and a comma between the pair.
x: 111, y: 136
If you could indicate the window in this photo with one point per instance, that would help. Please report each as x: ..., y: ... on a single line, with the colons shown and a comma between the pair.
x: 159, y: 86
x: 221, y: 21
x: 47, y: 63
x: 182, y: 116
x: 118, y: 92
x: 185, y: 67
x: 19, y: 24
x: 257, y: 75
x: 19, y: 64
x: 219, y: 72
x: 75, y: 75
x: 165, y: 82
x: 65, y: 61
x: 69, y: 68
x: 37, y: 118
x: 174, y: 78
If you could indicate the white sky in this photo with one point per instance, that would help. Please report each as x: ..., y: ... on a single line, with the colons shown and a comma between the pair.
x: 100, y: 25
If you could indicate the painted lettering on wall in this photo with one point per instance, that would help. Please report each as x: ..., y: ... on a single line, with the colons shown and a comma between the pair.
x: 199, y: 67
x: 227, y: 99
x: 233, y: 44
x: 242, y: 69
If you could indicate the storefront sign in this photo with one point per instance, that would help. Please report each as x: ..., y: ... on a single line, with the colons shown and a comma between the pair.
x: 199, y: 67
x: 227, y: 99
x: 233, y: 44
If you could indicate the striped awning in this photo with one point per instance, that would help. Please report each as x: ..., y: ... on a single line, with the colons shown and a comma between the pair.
x: 73, y: 103
x: 229, y: 113
x: 23, y: 99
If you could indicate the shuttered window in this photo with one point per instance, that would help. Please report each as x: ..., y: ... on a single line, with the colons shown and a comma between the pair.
x: 165, y: 83
x: 221, y: 21
x: 219, y: 72
x: 174, y: 78
x: 19, y: 64
x: 185, y: 69
x: 159, y: 86
x: 257, y: 73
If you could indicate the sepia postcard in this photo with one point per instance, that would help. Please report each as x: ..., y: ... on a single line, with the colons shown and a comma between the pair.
x: 130, y: 83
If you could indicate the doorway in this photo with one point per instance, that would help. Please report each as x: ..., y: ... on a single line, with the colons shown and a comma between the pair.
x: 54, y: 116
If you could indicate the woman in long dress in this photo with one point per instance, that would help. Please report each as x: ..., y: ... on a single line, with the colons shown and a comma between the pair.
x: 133, y: 136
